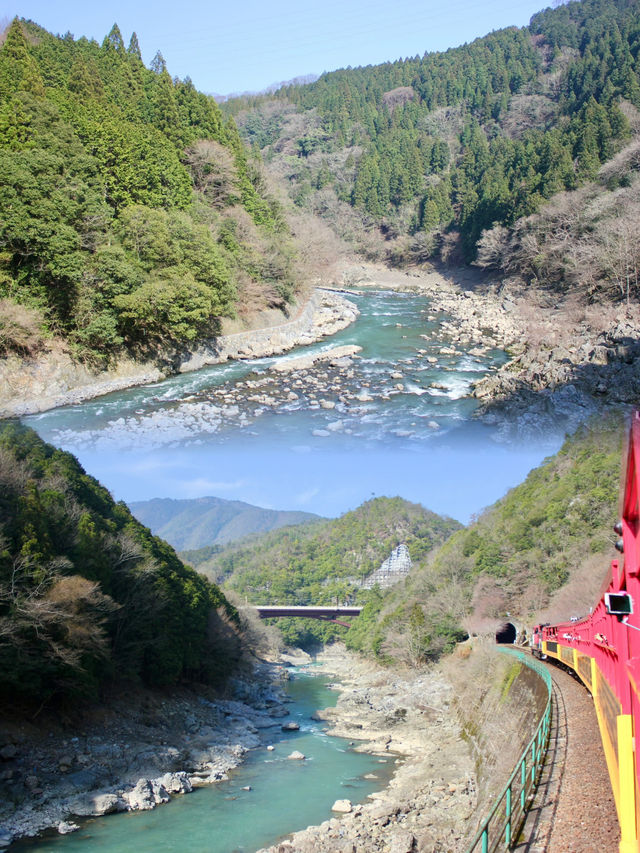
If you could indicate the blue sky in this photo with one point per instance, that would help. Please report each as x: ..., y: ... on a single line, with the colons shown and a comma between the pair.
x: 455, y: 481
x: 246, y: 46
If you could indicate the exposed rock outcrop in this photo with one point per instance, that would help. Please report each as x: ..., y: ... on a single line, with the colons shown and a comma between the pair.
x: 131, y: 756
x: 567, y: 360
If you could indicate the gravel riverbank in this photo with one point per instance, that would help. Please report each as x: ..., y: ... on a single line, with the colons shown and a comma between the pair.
x: 453, y: 732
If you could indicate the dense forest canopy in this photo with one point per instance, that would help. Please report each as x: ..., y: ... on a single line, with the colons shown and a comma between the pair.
x: 87, y: 595
x: 434, y: 150
x: 130, y: 212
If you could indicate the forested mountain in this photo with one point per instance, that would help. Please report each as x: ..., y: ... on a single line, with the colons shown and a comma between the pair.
x: 430, y: 151
x: 514, y: 559
x: 549, y: 539
x: 87, y: 594
x: 130, y: 212
x: 200, y: 522
x: 318, y: 562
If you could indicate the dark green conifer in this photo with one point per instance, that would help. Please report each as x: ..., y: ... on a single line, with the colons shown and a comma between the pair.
x: 113, y: 40
x: 18, y: 71
x: 134, y: 47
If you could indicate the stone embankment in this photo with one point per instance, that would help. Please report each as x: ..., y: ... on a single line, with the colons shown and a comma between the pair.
x: 567, y: 360
x: 133, y: 755
x: 28, y: 386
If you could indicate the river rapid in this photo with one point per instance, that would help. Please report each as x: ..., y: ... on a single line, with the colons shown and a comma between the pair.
x: 395, y: 418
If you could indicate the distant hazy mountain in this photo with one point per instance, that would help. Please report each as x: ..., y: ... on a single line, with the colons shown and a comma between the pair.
x: 191, y: 524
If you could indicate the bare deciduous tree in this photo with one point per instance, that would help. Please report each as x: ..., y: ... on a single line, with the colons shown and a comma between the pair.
x: 65, y: 613
x: 213, y: 170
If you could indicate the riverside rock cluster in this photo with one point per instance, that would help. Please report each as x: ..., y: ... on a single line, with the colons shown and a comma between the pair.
x: 133, y: 756
x: 567, y: 361
x: 567, y: 376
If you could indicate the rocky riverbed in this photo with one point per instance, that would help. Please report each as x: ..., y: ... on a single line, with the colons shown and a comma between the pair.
x: 453, y: 733
x: 567, y: 360
x: 133, y: 754
x: 429, y: 803
x: 55, y: 379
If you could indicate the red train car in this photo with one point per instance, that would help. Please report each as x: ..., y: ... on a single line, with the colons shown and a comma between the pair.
x: 604, y: 651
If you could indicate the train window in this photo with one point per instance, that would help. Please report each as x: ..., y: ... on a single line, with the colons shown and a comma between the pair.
x: 618, y: 603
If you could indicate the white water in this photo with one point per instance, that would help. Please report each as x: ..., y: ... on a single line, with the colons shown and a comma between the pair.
x: 416, y: 437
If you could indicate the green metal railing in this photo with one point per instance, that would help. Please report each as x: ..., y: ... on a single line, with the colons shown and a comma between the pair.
x: 500, y: 829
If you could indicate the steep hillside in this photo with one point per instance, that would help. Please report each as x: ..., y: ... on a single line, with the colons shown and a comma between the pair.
x: 585, y: 242
x: 131, y: 213
x: 546, y: 544
x: 87, y: 594
x: 415, y: 158
x: 195, y: 524
x: 327, y: 560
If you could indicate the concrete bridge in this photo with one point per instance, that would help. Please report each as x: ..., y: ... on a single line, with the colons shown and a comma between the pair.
x: 329, y: 614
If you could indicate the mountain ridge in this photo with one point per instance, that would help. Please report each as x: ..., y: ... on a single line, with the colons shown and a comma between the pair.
x: 194, y: 523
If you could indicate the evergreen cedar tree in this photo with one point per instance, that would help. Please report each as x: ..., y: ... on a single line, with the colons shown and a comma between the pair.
x: 447, y: 136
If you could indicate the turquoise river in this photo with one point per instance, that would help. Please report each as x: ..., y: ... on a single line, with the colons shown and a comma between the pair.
x: 413, y: 434
x: 286, y: 794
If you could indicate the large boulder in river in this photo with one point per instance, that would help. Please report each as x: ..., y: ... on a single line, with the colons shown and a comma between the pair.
x: 342, y: 806
x: 97, y: 804
x: 175, y: 783
x: 146, y: 795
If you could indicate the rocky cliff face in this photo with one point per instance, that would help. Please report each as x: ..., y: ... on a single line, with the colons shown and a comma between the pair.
x: 568, y: 376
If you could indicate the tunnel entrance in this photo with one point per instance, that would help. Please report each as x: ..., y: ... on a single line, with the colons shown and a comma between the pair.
x: 506, y: 633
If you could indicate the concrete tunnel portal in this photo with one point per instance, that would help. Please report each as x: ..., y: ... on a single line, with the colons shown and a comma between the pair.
x: 506, y: 633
